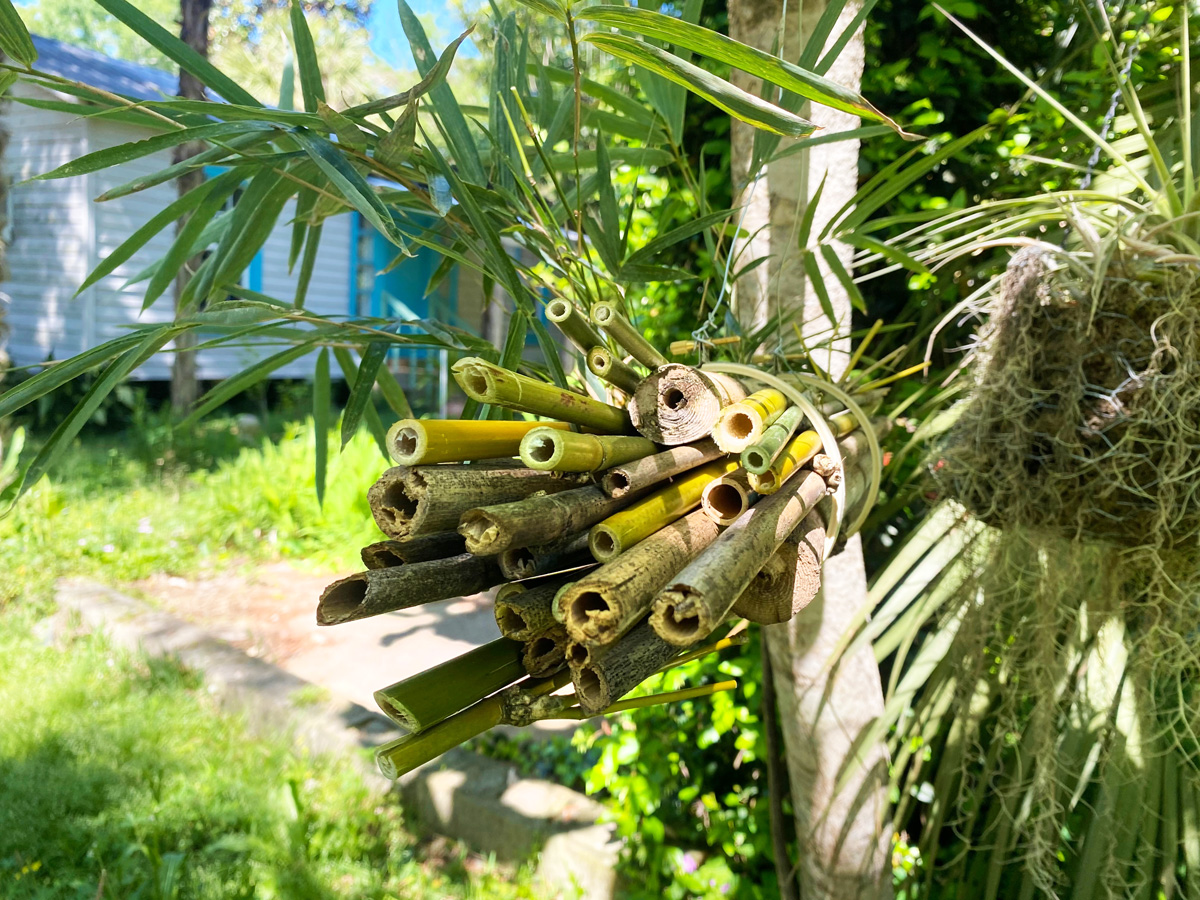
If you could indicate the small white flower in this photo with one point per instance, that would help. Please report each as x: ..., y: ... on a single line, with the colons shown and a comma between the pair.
x: 144, y: 526
x: 83, y: 542
x: 109, y: 548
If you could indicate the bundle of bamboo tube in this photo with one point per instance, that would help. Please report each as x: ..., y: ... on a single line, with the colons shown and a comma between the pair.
x: 621, y: 534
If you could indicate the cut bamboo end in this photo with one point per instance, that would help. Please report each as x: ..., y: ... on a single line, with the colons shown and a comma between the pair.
x: 381, y: 555
x: 726, y: 498
x: 487, y: 382
x: 629, y: 662
x: 621, y: 330
x: 680, y: 618
x: 568, y: 552
x: 579, y: 654
x: 603, y: 364
x: 537, y: 520
x: 758, y: 457
x: 677, y: 404
x: 523, y: 612
x: 651, y: 470
x: 387, y: 554
x: 401, y: 756
x: 565, y: 451
x: 741, y: 424
x: 573, y: 324
x: 545, y: 653
x: 414, y: 442
x: 799, y: 451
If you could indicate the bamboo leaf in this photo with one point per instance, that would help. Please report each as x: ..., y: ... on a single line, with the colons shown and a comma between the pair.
x: 722, y: 94
x: 546, y: 8
x: 670, y: 238
x: 434, y: 77
x: 247, y: 378
x: 818, y: 282
x: 393, y: 394
x: 321, y: 414
x: 887, y: 251
x: 360, y: 392
x: 14, y: 36
x: 307, y: 264
x: 860, y: 134
x: 720, y: 48
x: 835, y: 50
x: 311, y: 86
x: 179, y: 52
x: 810, y: 212
x: 57, y: 374
x: 395, y: 147
x: 839, y: 272
x: 347, y: 132
x: 204, y: 158
x: 370, y: 414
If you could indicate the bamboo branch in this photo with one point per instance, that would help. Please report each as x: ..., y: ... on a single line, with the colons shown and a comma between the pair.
x: 537, y: 520
x: 727, y: 497
x: 741, y: 424
x: 621, y: 330
x: 573, y: 324
x: 379, y: 591
x: 488, y: 383
x: 424, y: 500
x: 434, y: 695
x: 413, y: 442
x: 384, y: 554
x: 624, y: 529
x: 567, y: 552
x: 677, y: 404
x: 566, y: 451
x: 649, y: 471
x: 603, y: 364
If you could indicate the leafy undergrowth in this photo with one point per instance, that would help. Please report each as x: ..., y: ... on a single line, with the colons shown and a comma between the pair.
x: 118, y: 779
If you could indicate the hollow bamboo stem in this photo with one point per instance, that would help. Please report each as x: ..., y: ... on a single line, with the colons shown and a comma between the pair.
x: 767, y: 599
x: 573, y: 324
x: 629, y: 662
x: 537, y: 520
x: 796, y: 453
x: 650, y: 470
x: 603, y: 364
x: 741, y: 424
x: 617, y: 533
x: 522, y: 612
x: 434, y: 695
x: 677, y: 404
x: 566, y: 451
x: 621, y: 330
x: 700, y: 597
x: 379, y: 591
x: 413, y: 442
x: 605, y: 603
x: 758, y: 456
x: 727, y: 497
x: 488, y: 383
x: 525, y: 562
x: 424, y: 500
x: 545, y: 652
x: 384, y: 554
x: 401, y: 756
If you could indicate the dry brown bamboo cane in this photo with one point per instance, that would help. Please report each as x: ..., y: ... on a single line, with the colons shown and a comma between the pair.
x: 565, y: 553
x: 621, y: 330
x: 545, y: 652
x: 487, y: 382
x: 522, y: 612
x: 629, y: 662
x: 767, y: 600
x: 414, y: 442
x: 384, y: 590
x: 424, y: 500
x: 566, y: 451
x: 605, y: 603
x: 573, y: 324
x: 677, y: 404
x: 700, y: 597
x: 537, y: 520
x: 726, y: 498
x: 384, y: 554
x: 651, y: 470
x: 604, y: 364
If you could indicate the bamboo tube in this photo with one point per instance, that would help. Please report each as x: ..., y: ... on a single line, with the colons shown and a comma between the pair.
x: 566, y: 451
x: 650, y: 470
x: 607, y: 602
x: 793, y: 571
x: 524, y: 612
x: 619, y: 532
x: 701, y: 596
x: 488, y: 383
x: 558, y: 602
x: 450, y: 687
x: 677, y: 404
x: 727, y: 497
x: 545, y: 652
x: 384, y: 590
x: 413, y: 442
x: 565, y: 553
x: 424, y: 500
x: 573, y: 324
x: 741, y: 424
x: 493, y: 529
x: 603, y: 364
x: 796, y: 453
x: 683, y: 348
x: 758, y: 456
x: 384, y: 554
x: 621, y: 330
x: 629, y: 662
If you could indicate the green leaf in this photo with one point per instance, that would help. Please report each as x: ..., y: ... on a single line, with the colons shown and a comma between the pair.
x: 371, y: 414
x: 287, y: 85
x: 179, y: 52
x: 360, y: 392
x: 393, y: 394
x: 630, y: 156
x: 203, y: 158
x: 546, y: 8
x: 839, y: 44
x: 351, y: 184
x: 646, y: 254
x: 304, y: 278
x: 720, y: 48
x: 733, y: 100
x: 818, y: 284
x: 839, y: 272
x: 887, y: 251
x: 57, y: 374
x: 14, y: 36
x: 321, y: 414
x: 810, y: 212
x: 862, y: 134
x: 311, y: 86
x: 434, y: 77
x: 247, y: 378
x: 347, y: 132
x: 395, y: 147
x: 7, y: 78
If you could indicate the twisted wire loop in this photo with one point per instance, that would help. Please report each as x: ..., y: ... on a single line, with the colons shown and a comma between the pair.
x: 828, y: 440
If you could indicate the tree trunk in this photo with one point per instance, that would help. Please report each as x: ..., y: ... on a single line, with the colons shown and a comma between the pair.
x: 842, y: 836
x: 193, y: 31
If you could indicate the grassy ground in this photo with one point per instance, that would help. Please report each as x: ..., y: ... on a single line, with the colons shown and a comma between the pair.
x: 117, y: 777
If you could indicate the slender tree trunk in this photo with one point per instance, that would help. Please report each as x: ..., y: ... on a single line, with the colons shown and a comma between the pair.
x: 842, y: 836
x: 193, y: 31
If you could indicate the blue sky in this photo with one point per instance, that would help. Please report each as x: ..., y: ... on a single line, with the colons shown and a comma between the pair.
x: 387, y: 37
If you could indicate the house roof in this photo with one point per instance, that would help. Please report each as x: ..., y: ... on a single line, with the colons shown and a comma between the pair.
x: 114, y: 75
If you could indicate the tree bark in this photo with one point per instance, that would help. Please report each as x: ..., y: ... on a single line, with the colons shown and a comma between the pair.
x: 842, y: 836
x: 193, y: 31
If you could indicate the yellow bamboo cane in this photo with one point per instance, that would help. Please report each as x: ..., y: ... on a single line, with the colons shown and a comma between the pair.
x: 799, y: 450
x: 565, y: 451
x: 741, y: 424
x: 414, y: 442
